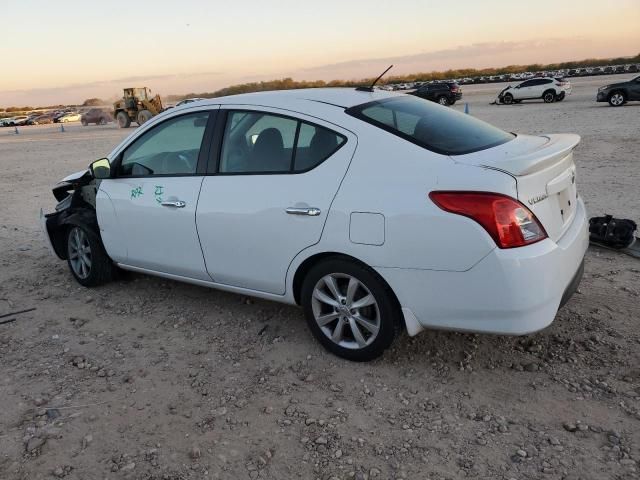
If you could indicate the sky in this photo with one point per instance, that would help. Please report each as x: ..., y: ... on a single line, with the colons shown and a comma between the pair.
x: 67, y: 51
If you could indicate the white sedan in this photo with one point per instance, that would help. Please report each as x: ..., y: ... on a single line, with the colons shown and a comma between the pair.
x: 372, y: 210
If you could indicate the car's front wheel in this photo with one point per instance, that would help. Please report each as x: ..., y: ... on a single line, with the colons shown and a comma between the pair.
x: 617, y: 99
x: 549, y: 96
x: 89, y: 263
x: 350, y: 310
x: 507, y: 99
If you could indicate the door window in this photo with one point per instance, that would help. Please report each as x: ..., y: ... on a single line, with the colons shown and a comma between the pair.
x: 315, y: 144
x: 257, y: 142
x: 171, y: 148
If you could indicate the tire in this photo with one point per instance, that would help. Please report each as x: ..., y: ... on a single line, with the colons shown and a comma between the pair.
x: 84, y: 122
x: 617, y: 98
x: 102, y: 121
x: 560, y: 97
x: 123, y: 120
x: 443, y: 100
x: 144, y: 116
x: 549, y: 96
x: 88, y: 261
x: 507, y: 99
x: 368, y: 329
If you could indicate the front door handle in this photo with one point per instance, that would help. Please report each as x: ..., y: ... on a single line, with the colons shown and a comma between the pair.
x: 174, y: 204
x: 310, y: 211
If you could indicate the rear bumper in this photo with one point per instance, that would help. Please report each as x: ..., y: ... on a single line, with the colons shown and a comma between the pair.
x: 512, y: 291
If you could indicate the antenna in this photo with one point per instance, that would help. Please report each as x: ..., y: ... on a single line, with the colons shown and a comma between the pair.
x: 370, y: 88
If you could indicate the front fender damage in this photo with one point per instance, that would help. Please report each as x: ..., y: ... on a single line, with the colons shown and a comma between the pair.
x: 77, y: 206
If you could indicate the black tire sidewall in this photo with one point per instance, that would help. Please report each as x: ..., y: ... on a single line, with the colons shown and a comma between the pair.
x: 553, y: 96
x: 507, y: 99
x: 387, y: 305
x: 101, y: 266
x: 446, y: 100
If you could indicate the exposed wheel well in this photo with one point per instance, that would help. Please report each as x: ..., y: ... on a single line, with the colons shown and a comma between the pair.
x: 617, y: 90
x: 310, y: 262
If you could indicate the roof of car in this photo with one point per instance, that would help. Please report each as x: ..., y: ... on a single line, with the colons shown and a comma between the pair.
x: 340, y: 97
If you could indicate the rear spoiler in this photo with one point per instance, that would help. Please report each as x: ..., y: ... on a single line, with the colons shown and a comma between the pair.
x: 557, y: 147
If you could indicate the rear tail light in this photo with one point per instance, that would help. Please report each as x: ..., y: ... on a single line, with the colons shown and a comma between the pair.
x: 508, y: 221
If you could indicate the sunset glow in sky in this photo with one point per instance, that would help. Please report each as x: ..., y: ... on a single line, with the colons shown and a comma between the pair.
x: 67, y: 51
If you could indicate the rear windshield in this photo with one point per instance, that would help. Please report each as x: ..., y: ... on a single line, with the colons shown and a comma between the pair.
x: 434, y: 127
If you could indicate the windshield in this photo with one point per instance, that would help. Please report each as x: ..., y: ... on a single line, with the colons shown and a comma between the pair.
x: 436, y: 128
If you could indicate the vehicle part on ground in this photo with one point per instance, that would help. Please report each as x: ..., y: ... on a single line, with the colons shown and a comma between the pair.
x: 136, y: 105
x: 614, y: 232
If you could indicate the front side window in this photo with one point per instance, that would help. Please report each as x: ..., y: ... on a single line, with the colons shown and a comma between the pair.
x: 442, y: 130
x: 258, y: 142
x: 171, y: 148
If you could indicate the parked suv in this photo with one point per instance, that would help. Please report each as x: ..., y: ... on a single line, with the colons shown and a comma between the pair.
x: 618, y: 94
x: 548, y: 89
x: 444, y: 93
x: 97, y: 116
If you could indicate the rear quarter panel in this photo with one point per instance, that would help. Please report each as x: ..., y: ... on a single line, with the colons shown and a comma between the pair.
x: 392, y: 177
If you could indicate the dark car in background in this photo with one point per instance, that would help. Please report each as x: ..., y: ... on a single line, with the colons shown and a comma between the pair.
x: 97, y: 116
x: 42, y: 119
x: 444, y: 93
x: 617, y: 94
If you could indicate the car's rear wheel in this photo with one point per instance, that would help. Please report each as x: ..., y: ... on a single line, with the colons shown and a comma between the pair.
x: 350, y: 310
x: 617, y: 99
x: 549, y: 96
x: 102, y: 121
x: 123, y: 120
x: 84, y: 122
x: 507, y: 99
x: 89, y: 263
x: 443, y: 100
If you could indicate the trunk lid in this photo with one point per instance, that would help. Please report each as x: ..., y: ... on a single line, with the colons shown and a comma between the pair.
x: 545, y: 174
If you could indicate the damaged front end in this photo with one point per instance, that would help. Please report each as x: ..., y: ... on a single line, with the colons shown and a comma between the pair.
x: 76, y: 195
x: 500, y: 98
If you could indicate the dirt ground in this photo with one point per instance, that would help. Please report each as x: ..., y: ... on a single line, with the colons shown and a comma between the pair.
x: 149, y: 379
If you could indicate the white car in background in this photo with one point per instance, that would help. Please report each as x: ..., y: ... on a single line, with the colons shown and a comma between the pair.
x: 69, y: 117
x: 374, y: 211
x: 546, y: 88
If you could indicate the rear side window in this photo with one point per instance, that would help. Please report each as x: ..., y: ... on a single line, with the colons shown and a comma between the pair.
x: 436, y: 128
x: 261, y: 143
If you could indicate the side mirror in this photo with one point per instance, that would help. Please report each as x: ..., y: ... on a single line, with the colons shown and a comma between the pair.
x: 101, y: 169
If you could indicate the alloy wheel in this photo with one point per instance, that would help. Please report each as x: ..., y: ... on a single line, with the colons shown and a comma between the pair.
x: 346, y: 311
x: 443, y: 101
x: 617, y: 99
x: 79, y: 253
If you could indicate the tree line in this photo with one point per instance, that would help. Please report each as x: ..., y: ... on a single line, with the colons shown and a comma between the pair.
x: 289, y: 83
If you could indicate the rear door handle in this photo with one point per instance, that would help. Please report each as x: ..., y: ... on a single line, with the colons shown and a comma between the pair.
x: 310, y: 211
x: 174, y: 204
